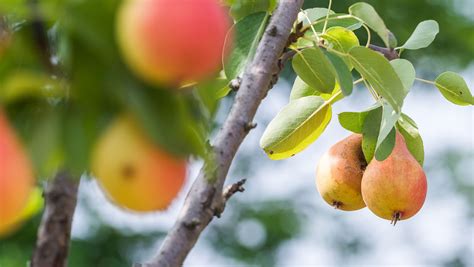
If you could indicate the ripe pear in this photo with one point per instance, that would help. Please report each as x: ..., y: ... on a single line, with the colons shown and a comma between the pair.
x: 395, y: 189
x: 339, y: 174
x: 34, y: 205
x: 134, y: 172
x: 173, y: 42
x: 16, y: 176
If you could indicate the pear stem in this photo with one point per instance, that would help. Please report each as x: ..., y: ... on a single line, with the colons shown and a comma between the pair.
x: 397, y: 216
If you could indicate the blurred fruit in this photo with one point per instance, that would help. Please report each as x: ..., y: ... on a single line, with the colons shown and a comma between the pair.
x: 133, y: 171
x: 339, y: 174
x: 172, y: 42
x: 34, y: 204
x: 395, y: 189
x: 16, y: 175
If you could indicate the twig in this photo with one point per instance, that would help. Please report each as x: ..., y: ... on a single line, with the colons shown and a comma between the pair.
x: 206, y: 194
x: 390, y: 54
x: 52, y: 245
x: 234, y: 188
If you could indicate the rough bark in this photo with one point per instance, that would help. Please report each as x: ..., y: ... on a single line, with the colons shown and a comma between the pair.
x: 206, y: 198
x: 52, y: 243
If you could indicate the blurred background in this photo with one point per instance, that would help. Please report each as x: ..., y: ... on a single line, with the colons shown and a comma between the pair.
x: 281, y: 219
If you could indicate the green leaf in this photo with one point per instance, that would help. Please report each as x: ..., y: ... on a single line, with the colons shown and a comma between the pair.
x: 386, y: 147
x: 370, y: 133
x: 354, y: 121
x: 211, y: 91
x: 242, y: 8
x: 423, y: 36
x: 387, y: 123
x: 368, y: 14
x: 24, y: 84
x: 343, y: 74
x: 378, y: 71
x: 295, y: 127
x: 166, y: 117
x: 247, y: 34
x: 341, y: 39
x: 39, y: 126
x: 392, y: 40
x: 315, y: 69
x: 311, y: 15
x: 80, y: 130
x: 379, y: 133
x: 405, y: 71
x: 301, y: 89
x: 338, y: 20
x: 454, y: 88
x: 407, y: 127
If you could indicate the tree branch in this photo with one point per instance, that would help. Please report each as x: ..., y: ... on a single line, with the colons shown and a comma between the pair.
x: 388, y: 53
x: 52, y: 245
x: 205, y: 198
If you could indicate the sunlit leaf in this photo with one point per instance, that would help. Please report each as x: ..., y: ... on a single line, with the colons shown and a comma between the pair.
x: 295, y: 127
x: 301, y: 89
x: 341, y: 39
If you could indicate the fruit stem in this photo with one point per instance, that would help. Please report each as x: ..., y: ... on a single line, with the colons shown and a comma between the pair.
x: 397, y: 216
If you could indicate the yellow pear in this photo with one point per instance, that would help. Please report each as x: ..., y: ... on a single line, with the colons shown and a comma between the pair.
x: 134, y: 172
x: 339, y: 174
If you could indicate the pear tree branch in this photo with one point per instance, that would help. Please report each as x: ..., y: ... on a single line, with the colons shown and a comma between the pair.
x: 54, y: 232
x: 206, y: 198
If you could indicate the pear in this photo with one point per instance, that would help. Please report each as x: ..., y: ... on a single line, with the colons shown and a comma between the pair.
x: 395, y: 189
x: 16, y: 176
x: 133, y: 171
x: 339, y: 174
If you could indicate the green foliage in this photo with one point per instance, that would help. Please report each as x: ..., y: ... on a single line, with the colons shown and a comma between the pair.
x: 454, y: 88
x: 325, y: 56
x: 343, y: 74
x: 315, y: 69
x: 408, y: 128
x: 247, y: 34
x: 405, y: 71
x: 369, y: 16
x: 242, y: 8
x: 379, y: 73
x: 423, y: 36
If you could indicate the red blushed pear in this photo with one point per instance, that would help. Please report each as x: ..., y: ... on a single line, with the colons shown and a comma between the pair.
x: 173, y: 42
x: 339, y: 174
x: 395, y: 189
x: 134, y: 172
x: 16, y: 176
